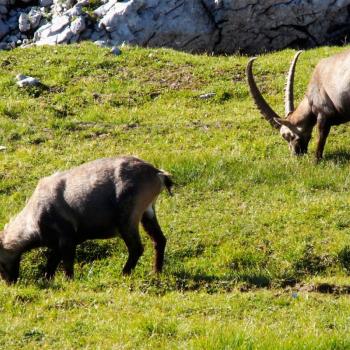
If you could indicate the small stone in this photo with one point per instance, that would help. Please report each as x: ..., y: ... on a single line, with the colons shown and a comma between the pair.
x: 23, y: 80
x: 3, y: 148
x: 78, y: 25
x: 102, y: 43
x: 75, y: 11
x: 115, y: 51
x: 84, y: 2
x: 45, y: 3
x: 64, y: 36
x: 24, y: 22
x: 58, y: 24
x: 207, y: 96
x: 34, y: 18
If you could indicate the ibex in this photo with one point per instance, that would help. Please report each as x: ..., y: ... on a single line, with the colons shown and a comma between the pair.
x: 95, y: 200
x: 326, y: 103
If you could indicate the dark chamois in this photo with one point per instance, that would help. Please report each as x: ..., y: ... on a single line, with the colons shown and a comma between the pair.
x: 94, y: 200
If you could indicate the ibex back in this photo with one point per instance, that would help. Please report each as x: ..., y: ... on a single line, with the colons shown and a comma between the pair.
x: 95, y: 200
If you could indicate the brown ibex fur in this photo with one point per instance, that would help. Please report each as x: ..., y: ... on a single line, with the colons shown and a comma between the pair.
x: 94, y: 200
x: 326, y: 103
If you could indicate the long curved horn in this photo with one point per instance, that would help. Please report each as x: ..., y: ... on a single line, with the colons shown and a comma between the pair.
x: 260, y: 102
x: 289, y: 91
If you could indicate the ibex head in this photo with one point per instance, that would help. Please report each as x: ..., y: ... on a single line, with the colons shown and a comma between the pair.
x: 297, y: 137
x: 298, y: 140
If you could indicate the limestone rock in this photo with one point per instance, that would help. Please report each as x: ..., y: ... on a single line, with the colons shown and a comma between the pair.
x: 45, y: 3
x: 258, y: 26
x: 78, y: 25
x: 4, y: 29
x: 34, y: 18
x: 226, y: 26
x: 115, y: 51
x: 7, y: 2
x: 64, y: 36
x: 219, y: 26
x: 183, y: 25
x: 23, y: 22
x: 4, y: 46
x: 3, y: 10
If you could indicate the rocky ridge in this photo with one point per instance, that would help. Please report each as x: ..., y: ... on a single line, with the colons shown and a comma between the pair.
x: 219, y: 26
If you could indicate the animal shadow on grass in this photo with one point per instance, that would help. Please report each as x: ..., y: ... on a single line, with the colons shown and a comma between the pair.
x: 86, y: 252
x: 339, y: 157
x: 211, y: 283
x: 37, y: 90
x: 254, y: 272
x: 90, y: 251
x: 246, y: 278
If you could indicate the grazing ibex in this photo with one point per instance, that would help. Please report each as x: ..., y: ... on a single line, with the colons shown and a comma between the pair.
x: 326, y: 103
x: 94, y: 200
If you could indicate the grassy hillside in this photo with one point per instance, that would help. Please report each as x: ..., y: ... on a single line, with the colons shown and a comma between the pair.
x: 252, y: 232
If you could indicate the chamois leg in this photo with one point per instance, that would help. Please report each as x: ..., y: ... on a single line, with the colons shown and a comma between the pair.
x: 151, y: 226
x: 14, y: 271
x: 67, y: 248
x: 132, y: 239
x: 53, y: 259
x: 323, y: 131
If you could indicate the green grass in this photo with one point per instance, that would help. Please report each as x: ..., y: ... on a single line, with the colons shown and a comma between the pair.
x: 251, y: 230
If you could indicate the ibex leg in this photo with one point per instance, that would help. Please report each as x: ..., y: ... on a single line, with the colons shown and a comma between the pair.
x: 323, y: 131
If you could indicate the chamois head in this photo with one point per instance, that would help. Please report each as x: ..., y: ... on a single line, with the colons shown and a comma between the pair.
x: 9, y: 264
x: 297, y: 137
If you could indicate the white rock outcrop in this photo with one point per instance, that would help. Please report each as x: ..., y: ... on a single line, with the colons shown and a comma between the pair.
x: 258, y: 26
x: 180, y: 24
x: 219, y: 26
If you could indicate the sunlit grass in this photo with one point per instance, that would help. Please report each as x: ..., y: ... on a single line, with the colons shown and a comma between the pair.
x: 250, y: 229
